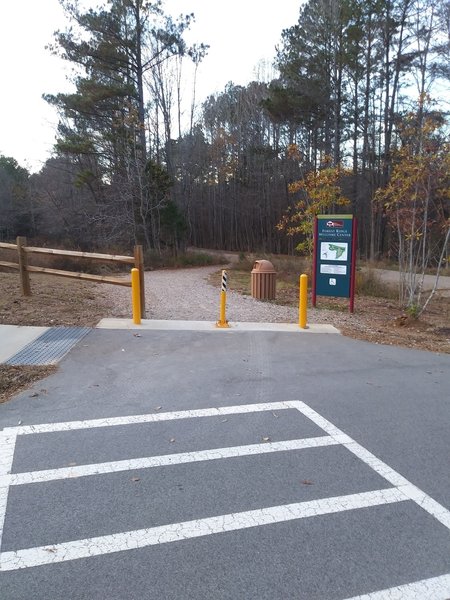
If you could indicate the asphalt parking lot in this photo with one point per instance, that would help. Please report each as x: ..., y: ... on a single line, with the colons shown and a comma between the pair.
x: 245, y: 465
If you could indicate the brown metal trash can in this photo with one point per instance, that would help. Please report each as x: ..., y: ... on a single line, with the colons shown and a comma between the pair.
x: 264, y: 280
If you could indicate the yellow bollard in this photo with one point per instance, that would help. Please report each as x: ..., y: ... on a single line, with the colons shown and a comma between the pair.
x: 303, y: 303
x: 135, y: 296
x: 222, y: 322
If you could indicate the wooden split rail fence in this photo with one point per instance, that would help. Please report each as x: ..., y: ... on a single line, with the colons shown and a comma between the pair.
x: 25, y: 269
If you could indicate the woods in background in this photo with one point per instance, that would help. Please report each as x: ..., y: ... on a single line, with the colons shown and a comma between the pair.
x: 358, y: 91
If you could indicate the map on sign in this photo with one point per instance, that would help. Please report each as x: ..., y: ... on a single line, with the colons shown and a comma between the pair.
x: 333, y: 251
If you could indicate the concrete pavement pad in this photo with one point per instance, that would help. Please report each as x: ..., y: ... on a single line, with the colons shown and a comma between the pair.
x: 15, y: 337
x: 155, y: 325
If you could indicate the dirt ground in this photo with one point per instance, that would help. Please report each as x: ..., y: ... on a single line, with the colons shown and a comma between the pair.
x: 16, y: 379
x: 54, y: 301
x: 382, y: 321
x: 65, y: 302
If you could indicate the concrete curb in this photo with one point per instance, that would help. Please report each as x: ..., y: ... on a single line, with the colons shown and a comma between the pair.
x: 154, y: 325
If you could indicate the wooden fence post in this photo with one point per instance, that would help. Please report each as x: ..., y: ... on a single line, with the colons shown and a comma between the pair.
x: 139, y: 264
x: 23, y: 273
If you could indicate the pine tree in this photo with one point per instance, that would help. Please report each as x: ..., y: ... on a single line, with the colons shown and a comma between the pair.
x: 103, y: 126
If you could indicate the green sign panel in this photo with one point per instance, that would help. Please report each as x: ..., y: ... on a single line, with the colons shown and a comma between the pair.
x: 334, y: 256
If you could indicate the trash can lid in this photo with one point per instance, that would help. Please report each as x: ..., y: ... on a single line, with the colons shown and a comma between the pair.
x: 263, y: 266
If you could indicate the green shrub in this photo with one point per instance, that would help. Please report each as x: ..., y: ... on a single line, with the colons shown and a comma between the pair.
x: 413, y: 311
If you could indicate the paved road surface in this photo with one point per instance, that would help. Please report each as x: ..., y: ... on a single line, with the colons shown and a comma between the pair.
x: 392, y: 277
x: 256, y: 465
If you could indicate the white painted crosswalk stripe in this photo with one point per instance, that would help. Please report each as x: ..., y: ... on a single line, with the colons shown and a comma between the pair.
x: 434, y: 588
x: 152, y: 418
x: 7, y: 445
x: 168, y: 459
x: 176, y: 532
x: 415, y: 494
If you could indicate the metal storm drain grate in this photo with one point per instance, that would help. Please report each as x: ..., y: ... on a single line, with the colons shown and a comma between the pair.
x: 49, y: 347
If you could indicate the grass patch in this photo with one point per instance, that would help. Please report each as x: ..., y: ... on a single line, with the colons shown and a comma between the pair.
x: 368, y: 283
x: 290, y: 266
x: 289, y: 269
x: 154, y: 260
x: 238, y: 281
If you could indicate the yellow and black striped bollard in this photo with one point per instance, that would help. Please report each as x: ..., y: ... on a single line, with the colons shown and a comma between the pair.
x: 222, y: 322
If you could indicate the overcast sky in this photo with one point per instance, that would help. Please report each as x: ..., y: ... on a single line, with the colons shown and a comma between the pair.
x: 240, y: 34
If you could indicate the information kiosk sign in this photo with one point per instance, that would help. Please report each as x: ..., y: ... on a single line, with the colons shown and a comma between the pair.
x: 334, y: 257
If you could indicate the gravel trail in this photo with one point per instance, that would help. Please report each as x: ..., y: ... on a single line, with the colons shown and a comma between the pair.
x: 185, y: 294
